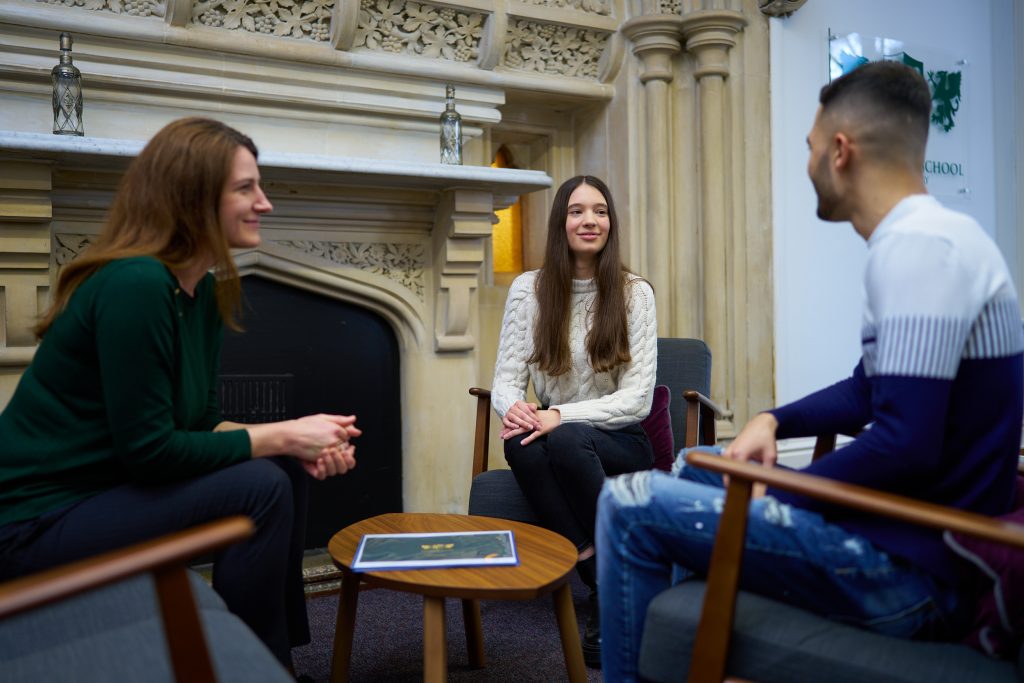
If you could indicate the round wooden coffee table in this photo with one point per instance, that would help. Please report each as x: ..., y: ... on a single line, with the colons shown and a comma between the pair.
x: 545, y: 561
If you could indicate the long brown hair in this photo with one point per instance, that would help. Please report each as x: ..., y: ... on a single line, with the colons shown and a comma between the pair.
x: 167, y: 207
x: 608, y: 339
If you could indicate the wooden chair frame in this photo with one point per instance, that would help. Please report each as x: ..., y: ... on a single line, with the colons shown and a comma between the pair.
x: 165, y: 558
x: 711, y: 645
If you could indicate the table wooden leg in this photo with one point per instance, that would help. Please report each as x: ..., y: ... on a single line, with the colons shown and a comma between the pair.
x: 435, y: 650
x: 474, y: 633
x: 569, y: 631
x: 345, y: 628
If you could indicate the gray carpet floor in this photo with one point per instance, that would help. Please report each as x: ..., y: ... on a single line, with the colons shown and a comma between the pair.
x: 520, y: 639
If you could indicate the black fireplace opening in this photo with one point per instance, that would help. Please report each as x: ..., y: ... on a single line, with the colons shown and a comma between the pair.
x: 304, y: 353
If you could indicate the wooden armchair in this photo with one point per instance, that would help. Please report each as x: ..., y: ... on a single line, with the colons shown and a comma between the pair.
x: 745, y: 635
x: 684, y: 365
x: 165, y: 558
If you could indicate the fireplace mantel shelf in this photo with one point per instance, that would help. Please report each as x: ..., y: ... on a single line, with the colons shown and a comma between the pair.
x: 81, y: 151
x: 442, y: 215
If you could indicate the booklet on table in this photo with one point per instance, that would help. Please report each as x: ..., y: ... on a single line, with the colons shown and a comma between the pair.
x: 440, y: 549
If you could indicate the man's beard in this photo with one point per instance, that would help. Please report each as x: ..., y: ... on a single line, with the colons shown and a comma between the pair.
x: 828, y: 198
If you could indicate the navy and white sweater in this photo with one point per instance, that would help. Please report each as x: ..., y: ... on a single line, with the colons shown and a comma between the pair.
x: 940, y: 380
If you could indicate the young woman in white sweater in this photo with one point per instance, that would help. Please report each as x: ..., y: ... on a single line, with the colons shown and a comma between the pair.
x: 583, y: 330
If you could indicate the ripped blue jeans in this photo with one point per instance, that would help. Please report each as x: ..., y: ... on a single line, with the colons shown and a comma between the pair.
x: 651, y: 525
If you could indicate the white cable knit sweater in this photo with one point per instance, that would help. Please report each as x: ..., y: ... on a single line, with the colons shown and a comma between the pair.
x: 609, y: 400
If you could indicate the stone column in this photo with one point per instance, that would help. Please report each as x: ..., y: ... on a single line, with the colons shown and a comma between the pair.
x: 709, y: 34
x: 655, y: 42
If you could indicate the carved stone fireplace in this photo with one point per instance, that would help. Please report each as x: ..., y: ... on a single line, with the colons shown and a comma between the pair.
x: 403, y: 241
x: 302, y: 353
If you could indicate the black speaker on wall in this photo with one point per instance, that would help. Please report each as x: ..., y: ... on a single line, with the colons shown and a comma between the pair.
x: 304, y: 353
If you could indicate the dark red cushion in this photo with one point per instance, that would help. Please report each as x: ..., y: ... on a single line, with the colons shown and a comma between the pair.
x: 658, y: 425
x: 998, y: 626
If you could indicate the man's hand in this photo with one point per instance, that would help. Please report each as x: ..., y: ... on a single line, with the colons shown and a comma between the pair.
x: 755, y: 443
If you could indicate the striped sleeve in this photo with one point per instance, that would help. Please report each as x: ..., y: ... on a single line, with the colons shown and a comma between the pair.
x: 997, y: 333
x: 921, y: 303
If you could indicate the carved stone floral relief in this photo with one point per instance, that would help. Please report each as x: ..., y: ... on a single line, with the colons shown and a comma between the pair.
x: 602, y: 7
x: 670, y: 6
x: 403, y: 27
x: 302, y: 19
x: 420, y: 29
x: 139, y: 8
x: 402, y: 263
x: 66, y: 248
x: 554, y: 49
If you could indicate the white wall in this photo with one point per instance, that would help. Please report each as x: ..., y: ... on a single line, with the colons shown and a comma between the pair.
x: 819, y: 266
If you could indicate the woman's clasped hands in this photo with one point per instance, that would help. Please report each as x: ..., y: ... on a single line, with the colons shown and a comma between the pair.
x: 320, y: 442
x: 324, y: 444
x: 525, y: 417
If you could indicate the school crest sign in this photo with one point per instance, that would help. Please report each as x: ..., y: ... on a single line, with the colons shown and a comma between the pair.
x: 947, y: 157
x: 945, y: 85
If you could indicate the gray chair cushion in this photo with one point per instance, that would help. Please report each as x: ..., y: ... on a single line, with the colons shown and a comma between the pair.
x: 124, y: 603
x: 495, y: 493
x: 773, y: 642
x: 137, y: 652
x: 115, y: 634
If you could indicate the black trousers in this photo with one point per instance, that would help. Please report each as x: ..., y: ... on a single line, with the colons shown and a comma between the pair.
x: 260, y: 579
x: 561, y: 473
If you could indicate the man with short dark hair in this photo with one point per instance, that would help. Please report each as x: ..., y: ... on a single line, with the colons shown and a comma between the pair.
x: 939, y: 381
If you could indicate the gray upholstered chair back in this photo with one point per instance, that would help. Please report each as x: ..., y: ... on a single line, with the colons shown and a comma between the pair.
x: 683, y: 364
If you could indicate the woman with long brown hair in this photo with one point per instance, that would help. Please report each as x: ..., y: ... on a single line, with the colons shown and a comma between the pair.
x: 114, y: 434
x: 583, y: 330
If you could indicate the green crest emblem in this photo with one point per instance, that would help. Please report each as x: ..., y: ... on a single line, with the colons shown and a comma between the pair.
x: 945, y: 86
x: 945, y: 96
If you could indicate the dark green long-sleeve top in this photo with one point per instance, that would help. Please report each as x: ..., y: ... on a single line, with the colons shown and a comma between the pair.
x: 123, y: 388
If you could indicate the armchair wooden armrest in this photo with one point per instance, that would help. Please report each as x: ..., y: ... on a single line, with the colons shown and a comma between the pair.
x: 483, y: 429
x: 701, y: 413
x: 165, y: 558
x: 711, y: 645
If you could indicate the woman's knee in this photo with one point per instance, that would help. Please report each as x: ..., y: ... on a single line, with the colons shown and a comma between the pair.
x: 570, y: 435
x: 571, y: 446
x: 523, y: 458
x: 262, y: 485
